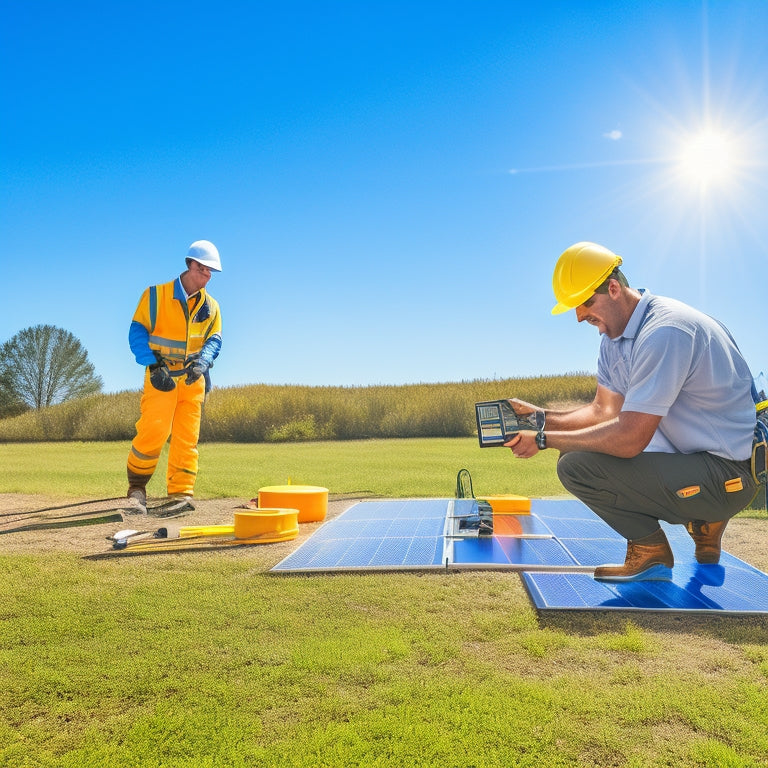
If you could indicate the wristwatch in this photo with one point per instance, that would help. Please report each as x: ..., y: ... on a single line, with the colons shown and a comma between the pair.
x: 541, y: 438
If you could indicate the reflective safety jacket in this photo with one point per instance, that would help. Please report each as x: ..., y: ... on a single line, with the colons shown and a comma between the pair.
x: 176, y: 326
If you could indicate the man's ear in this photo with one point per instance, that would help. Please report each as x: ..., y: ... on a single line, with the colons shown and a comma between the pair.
x: 614, y: 288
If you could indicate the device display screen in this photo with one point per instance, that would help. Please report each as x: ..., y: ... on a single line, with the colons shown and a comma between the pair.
x: 496, y: 423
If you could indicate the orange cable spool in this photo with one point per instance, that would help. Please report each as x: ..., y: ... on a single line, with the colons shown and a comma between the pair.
x: 280, y: 523
x: 310, y: 500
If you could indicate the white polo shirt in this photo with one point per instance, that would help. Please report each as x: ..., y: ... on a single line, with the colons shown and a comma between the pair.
x: 678, y: 363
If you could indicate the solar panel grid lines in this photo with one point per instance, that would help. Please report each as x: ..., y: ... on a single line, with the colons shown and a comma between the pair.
x: 423, y: 533
x: 404, y: 534
x: 736, y: 590
x: 556, y: 550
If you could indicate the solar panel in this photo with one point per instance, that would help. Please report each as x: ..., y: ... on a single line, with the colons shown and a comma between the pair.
x: 402, y: 535
x: 421, y: 534
x: 555, y: 548
x: 734, y: 587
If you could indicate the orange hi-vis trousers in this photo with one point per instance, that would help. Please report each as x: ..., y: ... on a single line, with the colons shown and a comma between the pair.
x: 176, y: 413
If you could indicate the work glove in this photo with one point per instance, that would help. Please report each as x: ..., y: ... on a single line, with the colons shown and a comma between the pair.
x: 195, y: 370
x: 160, y: 376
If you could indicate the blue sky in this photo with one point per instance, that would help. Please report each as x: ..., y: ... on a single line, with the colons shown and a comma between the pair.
x: 389, y: 183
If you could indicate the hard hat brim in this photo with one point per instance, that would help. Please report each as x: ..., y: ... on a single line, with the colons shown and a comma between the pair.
x: 559, y: 308
x: 206, y: 253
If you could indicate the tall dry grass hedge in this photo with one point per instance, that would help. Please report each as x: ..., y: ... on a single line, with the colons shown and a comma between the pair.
x: 261, y: 413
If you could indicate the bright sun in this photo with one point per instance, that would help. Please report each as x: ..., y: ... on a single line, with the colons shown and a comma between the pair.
x: 708, y: 158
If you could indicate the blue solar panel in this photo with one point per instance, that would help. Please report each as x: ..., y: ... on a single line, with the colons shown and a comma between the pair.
x: 572, y: 528
x: 376, y: 534
x: 557, y: 547
x: 594, y: 552
x: 561, y: 509
x: 511, y: 552
x: 419, y: 534
x: 528, y: 525
x: 734, y: 587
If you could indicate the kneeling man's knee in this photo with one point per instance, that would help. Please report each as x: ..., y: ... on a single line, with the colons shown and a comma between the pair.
x: 571, y: 469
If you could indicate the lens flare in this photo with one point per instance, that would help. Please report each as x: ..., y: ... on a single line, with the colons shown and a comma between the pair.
x: 708, y: 158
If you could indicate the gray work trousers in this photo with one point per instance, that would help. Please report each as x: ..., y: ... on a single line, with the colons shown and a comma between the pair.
x: 632, y: 495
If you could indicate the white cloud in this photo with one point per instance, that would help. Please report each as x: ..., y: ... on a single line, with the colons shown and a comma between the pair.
x: 613, y: 135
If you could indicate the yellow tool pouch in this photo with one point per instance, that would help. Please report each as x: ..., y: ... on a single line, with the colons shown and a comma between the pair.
x: 734, y: 486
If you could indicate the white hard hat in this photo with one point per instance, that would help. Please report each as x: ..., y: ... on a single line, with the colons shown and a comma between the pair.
x: 204, y: 252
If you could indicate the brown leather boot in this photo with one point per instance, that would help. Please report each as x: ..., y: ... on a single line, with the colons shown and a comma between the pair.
x: 707, y: 537
x: 648, y: 559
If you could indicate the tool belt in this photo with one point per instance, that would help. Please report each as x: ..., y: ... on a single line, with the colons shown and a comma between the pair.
x: 175, y: 367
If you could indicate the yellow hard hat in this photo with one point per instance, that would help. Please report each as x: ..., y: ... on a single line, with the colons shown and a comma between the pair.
x: 579, y: 270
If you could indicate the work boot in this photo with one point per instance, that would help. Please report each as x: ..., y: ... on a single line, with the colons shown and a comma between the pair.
x: 648, y: 559
x: 707, y: 537
x: 137, y: 501
x: 137, y: 493
x: 175, y: 505
x: 181, y: 499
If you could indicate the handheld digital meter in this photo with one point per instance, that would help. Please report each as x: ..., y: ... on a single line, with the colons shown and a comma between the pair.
x: 497, y: 422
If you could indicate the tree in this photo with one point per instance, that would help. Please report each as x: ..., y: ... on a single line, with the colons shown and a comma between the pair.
x: 45, y: 365
x: 10, y: 403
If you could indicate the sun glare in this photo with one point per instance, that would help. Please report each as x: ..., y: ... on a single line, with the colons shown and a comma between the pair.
x: 708, y: 158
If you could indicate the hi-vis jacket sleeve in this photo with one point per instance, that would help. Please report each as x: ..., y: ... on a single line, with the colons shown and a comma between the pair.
x: 138, y: 335
x: 211, y: 349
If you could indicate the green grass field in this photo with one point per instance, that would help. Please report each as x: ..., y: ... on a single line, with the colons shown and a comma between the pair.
x: 398, y: 468
x: 208, y: 661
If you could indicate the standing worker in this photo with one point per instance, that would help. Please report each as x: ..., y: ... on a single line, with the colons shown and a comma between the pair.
x: 669, y: 433
x: 176, y: 335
